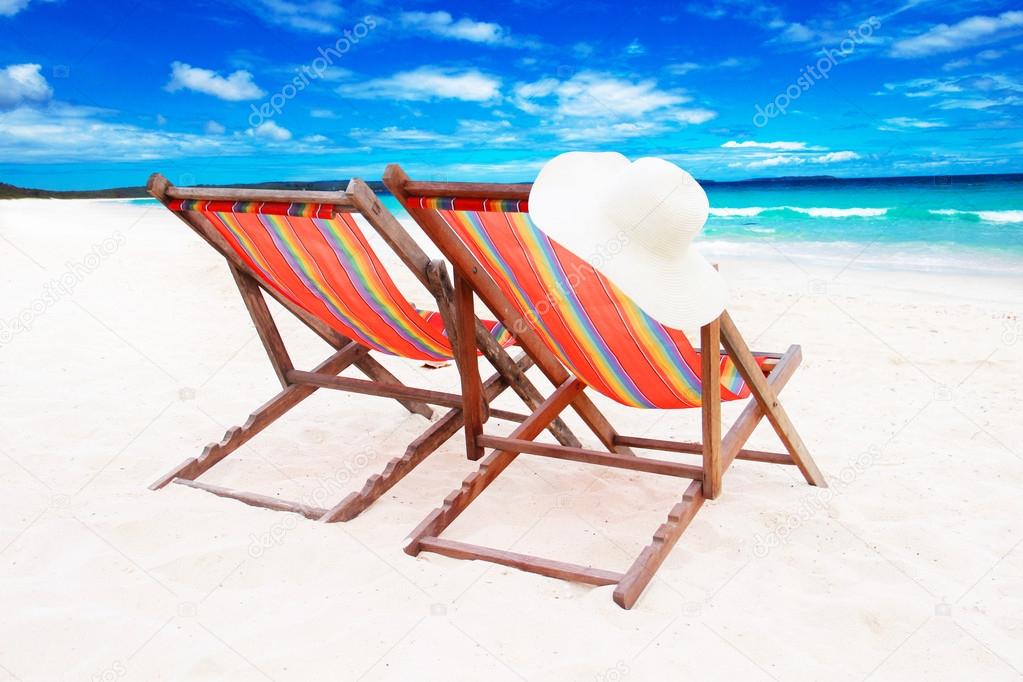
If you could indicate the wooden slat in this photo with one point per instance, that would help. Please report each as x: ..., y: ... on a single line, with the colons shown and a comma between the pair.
x: 353, y: 385
x: 270, y: 336
x: 710, y: 407
x: 767, y: 397
x: 491, y: 466
x: 742, y: 428
x: 611, y: 459
x: 697, y: 449
x: 417, y: 451
x: 255, y: 499
x: 525, y: 562
x: 261, y: 418
x: 468, y: 368
x: 468, y: 190
x: 286, y: 196
x: 650, y: 559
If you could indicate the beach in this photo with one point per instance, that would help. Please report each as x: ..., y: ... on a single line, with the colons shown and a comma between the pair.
x: 124, y: 349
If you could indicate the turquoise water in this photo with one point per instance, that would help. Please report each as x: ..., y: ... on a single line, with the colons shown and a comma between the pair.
x: 973, y: 224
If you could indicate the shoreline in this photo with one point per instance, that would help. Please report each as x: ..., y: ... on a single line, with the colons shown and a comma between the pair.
x: 908, y: 257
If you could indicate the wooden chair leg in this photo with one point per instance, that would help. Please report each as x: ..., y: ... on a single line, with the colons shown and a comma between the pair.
x: 642, y: 571
x: 265, y: 415
x: 767, y: 398
x: 469, y: 371
x: 252, y: 295
x: 417, y: 451
x: 491, y: 466
x: 513, y: 373
x: 710, y: 407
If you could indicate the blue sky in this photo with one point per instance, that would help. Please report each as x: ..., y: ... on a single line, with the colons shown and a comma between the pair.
x: 96, y: 94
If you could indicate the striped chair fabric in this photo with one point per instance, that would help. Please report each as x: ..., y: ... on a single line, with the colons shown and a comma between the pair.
x: 319, y: 259
x: 597, y: 331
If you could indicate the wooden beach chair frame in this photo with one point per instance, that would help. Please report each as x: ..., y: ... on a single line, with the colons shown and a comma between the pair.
x: 765, y: 379
x: 298, y: 384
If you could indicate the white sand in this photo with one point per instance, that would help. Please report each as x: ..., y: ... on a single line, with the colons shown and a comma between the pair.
x: 909, y: 567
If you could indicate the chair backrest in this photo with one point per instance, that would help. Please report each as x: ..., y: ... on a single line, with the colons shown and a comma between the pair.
x: 597, y: 331
x: 316, y: 256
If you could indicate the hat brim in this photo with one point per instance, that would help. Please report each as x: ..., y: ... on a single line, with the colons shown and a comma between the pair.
x: 562, y: 198
x: 565, y: 202
x: 680, y: 293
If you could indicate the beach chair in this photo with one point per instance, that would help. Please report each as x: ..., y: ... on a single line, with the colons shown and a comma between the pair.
x: 582, y: 332
x: 307, y: 252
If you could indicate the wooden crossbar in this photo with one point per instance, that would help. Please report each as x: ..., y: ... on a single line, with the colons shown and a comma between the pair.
x: 697, y: 449
x: 255, y: 499
x: 611, y: 459
x: 339, y: 200
x: 525, y: 562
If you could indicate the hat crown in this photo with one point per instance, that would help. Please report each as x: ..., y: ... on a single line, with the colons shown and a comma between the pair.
x: 657, y: 205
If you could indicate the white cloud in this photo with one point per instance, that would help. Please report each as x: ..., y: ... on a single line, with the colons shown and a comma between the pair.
x: 974, y: 104
x: 443, y: 25
x: 966, y: 33
x: 268, y: 130
x: 315, y: 16
x: 468, y: 132
x: 682, y: 68
x: 976, y: 92
x: 796, y: 160
x: 605, y: 107
x: 8, y: 8
x: 23, y: 84
x: 635, y: 48
x: 606, y: 132
x: 214, y: 128
x: 835, y: 157
x: 907, y: 122
x: 402, y: 138
x: 796, y: 33
x: 781, y: 146
x: 427, y: 83
x: 592, y: 94
x: 694, y: 116
x: 61, y: 132
x: 235, y: 87
x: 957, y: 64
x: 316, y: 139
x: 323, y: 113
x: 772, y: 161
x: 925, y: 87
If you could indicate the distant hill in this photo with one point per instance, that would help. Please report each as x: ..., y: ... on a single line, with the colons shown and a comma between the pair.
x: 12, y: 192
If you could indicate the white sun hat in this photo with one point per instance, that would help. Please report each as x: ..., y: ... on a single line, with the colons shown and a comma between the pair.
x: 634, y: 222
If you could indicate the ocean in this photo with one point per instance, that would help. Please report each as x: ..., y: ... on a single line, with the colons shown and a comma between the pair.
x: 973, y: 224
x: 950, y: 223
